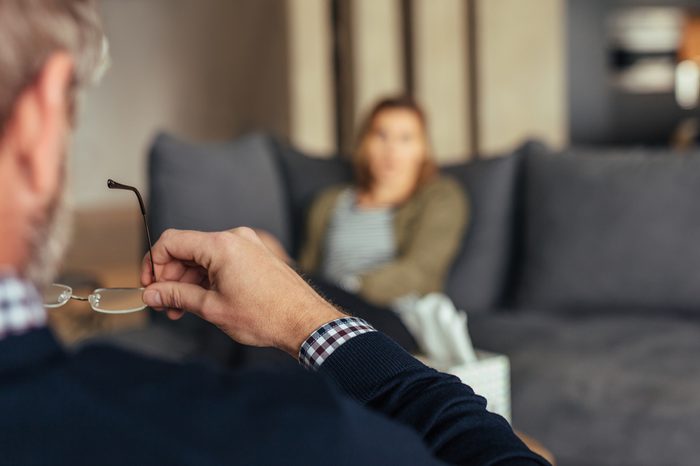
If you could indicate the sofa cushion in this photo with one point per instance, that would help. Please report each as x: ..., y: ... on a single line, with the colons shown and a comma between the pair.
x: 616, y: 230
x: 601, y: 389
x: 479, y: 272
x: 216, y: 186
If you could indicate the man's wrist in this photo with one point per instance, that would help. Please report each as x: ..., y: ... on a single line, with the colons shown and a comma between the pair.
x: 308, y: 322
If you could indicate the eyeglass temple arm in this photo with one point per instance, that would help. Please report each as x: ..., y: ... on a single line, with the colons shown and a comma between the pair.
x: 111, y: 184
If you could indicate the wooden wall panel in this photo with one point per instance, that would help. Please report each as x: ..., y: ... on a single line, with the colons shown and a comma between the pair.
x: 441, y: 61
x: 312, y: 107
x: 520, y: 73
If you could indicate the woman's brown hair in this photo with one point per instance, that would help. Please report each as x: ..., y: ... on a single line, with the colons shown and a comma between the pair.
x: 363, y: 176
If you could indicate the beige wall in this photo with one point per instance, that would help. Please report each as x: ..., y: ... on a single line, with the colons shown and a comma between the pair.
x: 441, y: 55
x: 202, y: 69
x: 377, y: 52
x: 312, y: 107
x: 520, y: 73
x: 197, y: 68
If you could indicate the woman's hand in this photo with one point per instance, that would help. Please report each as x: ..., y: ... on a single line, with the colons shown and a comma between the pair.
x: 234, y: 281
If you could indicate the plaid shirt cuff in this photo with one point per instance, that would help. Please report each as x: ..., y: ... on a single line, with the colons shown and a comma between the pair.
x: 329, y: 338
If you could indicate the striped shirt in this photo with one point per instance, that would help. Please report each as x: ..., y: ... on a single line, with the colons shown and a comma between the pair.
x: 357, y: 240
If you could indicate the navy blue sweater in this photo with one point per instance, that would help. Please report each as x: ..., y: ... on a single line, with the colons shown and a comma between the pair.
x: 103, y: 406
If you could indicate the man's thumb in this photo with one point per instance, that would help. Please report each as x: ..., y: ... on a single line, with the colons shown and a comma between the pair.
x: 175, y: 295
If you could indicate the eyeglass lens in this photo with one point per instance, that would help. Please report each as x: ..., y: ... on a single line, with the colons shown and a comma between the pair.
x: 117, y: 300
x: 57, y: 295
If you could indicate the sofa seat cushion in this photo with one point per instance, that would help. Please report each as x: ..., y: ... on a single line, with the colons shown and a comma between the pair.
x: 615, y: 231
x: 602, y: 390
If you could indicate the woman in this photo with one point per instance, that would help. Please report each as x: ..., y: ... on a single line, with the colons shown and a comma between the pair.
x: 395, y: 230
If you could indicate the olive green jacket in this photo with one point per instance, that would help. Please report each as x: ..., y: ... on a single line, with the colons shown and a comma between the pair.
x: 428, y: 228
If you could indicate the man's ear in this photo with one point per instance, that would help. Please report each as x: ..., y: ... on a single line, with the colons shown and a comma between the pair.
x: 40, y: 124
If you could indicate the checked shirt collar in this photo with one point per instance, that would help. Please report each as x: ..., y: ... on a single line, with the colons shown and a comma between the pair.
x: 21, y: 308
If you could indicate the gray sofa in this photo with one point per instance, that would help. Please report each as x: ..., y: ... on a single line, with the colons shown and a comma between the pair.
x: 582, y: 267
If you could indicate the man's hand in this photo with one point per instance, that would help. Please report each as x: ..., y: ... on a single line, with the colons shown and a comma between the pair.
x: 274, y: 245
x: 233, y: 281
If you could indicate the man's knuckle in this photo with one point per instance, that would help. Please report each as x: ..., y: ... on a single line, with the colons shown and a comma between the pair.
x: 168, y: 233
x: 246, y: 232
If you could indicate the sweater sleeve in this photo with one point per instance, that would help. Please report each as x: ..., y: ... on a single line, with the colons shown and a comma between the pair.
x: 447, y: 415
x: 433, y: 241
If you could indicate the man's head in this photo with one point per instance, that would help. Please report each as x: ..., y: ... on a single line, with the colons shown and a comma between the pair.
x: 48, y: 50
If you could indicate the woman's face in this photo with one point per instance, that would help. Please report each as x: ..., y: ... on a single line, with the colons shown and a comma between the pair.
x: 396, y: 148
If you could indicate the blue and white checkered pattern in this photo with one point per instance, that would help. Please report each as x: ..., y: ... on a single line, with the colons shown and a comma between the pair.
x: 21, y: 309
x: 329, y: 338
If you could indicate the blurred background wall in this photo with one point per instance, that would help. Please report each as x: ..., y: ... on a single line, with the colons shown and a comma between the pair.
x: 202, y: 69
x: 308, y: 69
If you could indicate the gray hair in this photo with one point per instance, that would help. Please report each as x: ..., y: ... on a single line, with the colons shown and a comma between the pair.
x: 32, y: 30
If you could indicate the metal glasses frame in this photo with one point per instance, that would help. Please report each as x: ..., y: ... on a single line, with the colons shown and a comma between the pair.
x: 111, y: 184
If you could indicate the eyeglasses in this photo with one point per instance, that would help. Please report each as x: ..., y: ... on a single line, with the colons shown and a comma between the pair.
x: 106, y: 300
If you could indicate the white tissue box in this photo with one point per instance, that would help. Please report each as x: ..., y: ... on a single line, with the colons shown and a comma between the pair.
x: 488, y: 376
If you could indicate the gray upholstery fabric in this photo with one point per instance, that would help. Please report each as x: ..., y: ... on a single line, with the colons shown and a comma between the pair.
x: 618, y: 231
x: 602, y: 389
x: 479, y: 272
x: 217, y: 186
